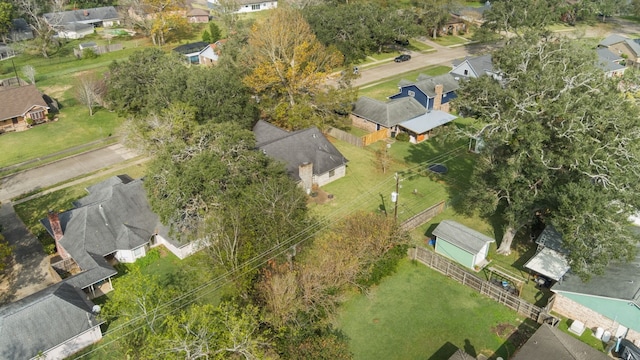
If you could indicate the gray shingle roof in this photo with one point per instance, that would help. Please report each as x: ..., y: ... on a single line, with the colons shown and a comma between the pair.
x: 389, y: 113
x: 299, y: 147
x: 621, y: 280
x: 191, y: 47
x: 461, y: 236
x: 551, y: 343
x: 616, y: 39
x: 480, y: 65
x: 427, y: 84
x: 43, y: 320
x: 116, y: 217
x: 551, y: 238
x: 17, y: 101
x: 608, y: 61
x: 84, y: 16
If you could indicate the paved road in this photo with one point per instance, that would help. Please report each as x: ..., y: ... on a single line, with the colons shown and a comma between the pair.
x: 54, y: 173
x: 29, y: 270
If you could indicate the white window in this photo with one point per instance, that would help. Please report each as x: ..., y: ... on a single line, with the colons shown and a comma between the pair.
x: 411, y: 93
x: 255, y: 7
x: 37, y: 115
x: 138, y: 252
x: 332, y: 173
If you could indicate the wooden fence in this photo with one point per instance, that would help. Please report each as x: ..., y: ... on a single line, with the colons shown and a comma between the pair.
x: 101, y: 49
x: 346, y: 137
x: 423, y: 216
x: 375, y: 136
x: 497, y: 293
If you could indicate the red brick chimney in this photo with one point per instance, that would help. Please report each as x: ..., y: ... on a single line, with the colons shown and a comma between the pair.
x: 56, y: 228
x: 437, y: 101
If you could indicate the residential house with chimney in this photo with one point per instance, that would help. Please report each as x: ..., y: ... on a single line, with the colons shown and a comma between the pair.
x: 309, y: 157
x: 22, y: 106
x: 417, y: 109
x: 76, y: 24
x: 114, y: 223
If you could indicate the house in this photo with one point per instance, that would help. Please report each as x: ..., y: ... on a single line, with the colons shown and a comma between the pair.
x: 610, y: 63
x: 245, y: 6
x: 195, y: 16
x: 21, y: 107
x: 53, y: 323
x: 404, y: 114
x: 550, y: 259
x: 461, y: 355
x: 549, y: 342
x: 114, y: 222
x: 432, y: 92
x: 462, y: 244
x: 456, y: 24
x: 89, y: 45
x: 307, y: 154
x: 75, y: 30
x: 6, y: 52
x: 192, y: 51
x: 473, y: 67
x: 76, y: 24
x: 210, y: 54
x: 624, y: 47
x: 610, y: 301
x: 20, y: 30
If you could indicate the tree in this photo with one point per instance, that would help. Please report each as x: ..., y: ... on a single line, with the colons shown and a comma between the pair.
x: 6, y: 15
x: 559, y: 140
x: 514, y: 16
x: 30, y: 72
x: 90, y: 90
x: 433, y: 14
x: 289, y: 67
x: 158, y: 19
x: 214, y: 32
x: 44, y: 28
x: 5, y: 251
x: 227, y: 10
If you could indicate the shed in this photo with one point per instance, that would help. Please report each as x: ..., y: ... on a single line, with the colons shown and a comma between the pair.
x: 462, y: 244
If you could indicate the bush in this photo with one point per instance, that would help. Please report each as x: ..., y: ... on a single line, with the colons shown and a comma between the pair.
x: 385, y: 266
x: 89, y: 54
x: 151, y: 256
x: 402, y: 137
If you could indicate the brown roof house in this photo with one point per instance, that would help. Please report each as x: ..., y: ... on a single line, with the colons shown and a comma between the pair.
x: 21, y: 107
x: 195, y: 16
x: 309, y: 157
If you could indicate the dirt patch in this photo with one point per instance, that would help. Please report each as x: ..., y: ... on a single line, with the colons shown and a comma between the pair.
x: 319, y: 196
x: 56, y: 91
x: 503, y: 330
x: 162, y: 251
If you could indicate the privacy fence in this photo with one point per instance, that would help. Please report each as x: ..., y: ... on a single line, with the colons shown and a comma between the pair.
x: 359, y: 141
x: 497, y: 293
x: 423, y: 216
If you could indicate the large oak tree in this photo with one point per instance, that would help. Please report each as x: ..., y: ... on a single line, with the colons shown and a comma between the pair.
x: 562, y: 143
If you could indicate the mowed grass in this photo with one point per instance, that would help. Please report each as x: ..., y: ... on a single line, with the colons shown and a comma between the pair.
x: 420, y: 314
x: 450, y: 40
x: 382, y: 90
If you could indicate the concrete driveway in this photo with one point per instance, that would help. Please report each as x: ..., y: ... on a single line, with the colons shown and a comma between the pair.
x: 29, y: 270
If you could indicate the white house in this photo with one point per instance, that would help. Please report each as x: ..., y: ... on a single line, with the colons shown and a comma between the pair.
x: 246, y: 6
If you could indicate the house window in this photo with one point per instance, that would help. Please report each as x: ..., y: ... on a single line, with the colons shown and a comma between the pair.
x: 37, y: 115
x: 332, y: 173
x: 138, y: 252
x: 466, y: 72
x: 411, y: 93
x: 255, y: 7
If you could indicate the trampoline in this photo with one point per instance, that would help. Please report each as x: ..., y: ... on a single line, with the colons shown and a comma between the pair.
x: 438, y: 168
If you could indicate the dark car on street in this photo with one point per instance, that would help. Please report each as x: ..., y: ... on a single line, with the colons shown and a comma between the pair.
x: 402, y: 58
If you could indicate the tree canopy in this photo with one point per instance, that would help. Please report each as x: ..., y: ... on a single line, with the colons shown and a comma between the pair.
x: 561, y: 143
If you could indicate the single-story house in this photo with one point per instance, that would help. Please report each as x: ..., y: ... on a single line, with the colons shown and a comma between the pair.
x: 462, y: 244
x: 21, y: 107
x: 53, y: 323
x: 195, y: 16
x: 75, y: 30
x: 454, y: 25
x: 113, y: 223
x: 610, y: 301
x: 20, y: 30
x: 245, y: 6
x: 6, y: 52
x: 549, y: 342
x: 550, y: 259
x: 624, y: 47
x: 473, y: 67
x: 106, y: 16
x: 309, y: 157
x: 192, y: 51
x: 610, y: 63
x: 210, y: 54
x: 88, y: 45
x: 432, y: 92
x: 404, y: 114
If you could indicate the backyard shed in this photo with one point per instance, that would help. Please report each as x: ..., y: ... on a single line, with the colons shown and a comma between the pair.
x: 462, y: 244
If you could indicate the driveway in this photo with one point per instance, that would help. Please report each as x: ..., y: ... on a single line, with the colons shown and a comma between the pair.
x: 29, y: 270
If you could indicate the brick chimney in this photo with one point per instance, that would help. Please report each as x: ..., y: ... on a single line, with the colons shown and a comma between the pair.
x: 305, y: 171
x: 437, y: 100
x: 56, y: 228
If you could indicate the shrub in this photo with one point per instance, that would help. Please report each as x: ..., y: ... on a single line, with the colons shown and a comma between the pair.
x: 151, y: 256
x: 402, y: 137
x: 385, y: 266
x: 89, y: 54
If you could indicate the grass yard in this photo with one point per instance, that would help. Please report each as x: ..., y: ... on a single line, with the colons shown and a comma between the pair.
x: 420, y: 314
x: 388, y: 87
x: 450, y: 40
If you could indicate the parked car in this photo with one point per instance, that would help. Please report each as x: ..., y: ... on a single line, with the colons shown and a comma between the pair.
x: 402, y: 58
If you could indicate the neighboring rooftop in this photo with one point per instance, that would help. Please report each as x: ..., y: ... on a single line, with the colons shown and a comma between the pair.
x: 83, y: 16
x: 18, y: 100
x: 427, y: 84
x: 44, y: 320
x: 191, y: 48
x: 550, y: 343
x: 480, y: 65
x: 389, y: 113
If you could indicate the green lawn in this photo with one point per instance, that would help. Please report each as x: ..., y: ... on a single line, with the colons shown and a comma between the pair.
x: 450, y: 40
x: 420, y: 314
x: 388, y: 87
